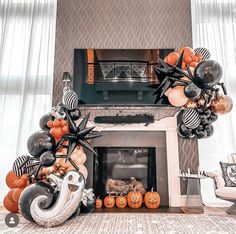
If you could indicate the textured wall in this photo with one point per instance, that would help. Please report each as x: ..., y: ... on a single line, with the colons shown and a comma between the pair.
x: 117, y: 24
x: 122, y: 24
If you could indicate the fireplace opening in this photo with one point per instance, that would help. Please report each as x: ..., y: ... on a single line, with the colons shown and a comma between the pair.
x: 118, y: 170
x: 126, y: 154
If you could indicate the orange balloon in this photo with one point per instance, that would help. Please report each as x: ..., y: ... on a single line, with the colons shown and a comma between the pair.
x: 50, y: 123
x: 11, y: 178
x: 56, y: 123
x: 65, y: 129
x: 187, y: 51
x: 172, y: 58
x: 9, y: 194
x: 10, y: 205
x: 195, y: 59
x: 56, y: 132
x: 193, y: 64
x: 187, y: 59
x: 176, y: 96
x: 63, y: 122
x: 199, y: 55
x: 25, y: 177
x: 183, y: 67
x: 20, y: 183
x: 16, y: 194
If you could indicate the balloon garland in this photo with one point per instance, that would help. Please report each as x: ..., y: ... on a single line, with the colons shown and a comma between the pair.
x: 191, y: 81
x: 48, y: 185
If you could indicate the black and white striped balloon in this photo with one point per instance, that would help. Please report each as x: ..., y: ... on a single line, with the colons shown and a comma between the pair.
x: 70, y: 100
x: 191, y: 118
x: 23, y: 170
x: 205, y: 52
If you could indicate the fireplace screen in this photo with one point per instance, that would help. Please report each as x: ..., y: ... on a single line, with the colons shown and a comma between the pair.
x: 120, y: 170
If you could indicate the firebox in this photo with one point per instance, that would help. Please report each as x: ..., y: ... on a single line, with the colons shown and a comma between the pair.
x: 119, y: 170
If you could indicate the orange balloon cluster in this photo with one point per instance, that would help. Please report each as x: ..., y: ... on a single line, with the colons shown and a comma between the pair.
x: 58, y: 128
x: 190, y: 57
x: 17, y: 184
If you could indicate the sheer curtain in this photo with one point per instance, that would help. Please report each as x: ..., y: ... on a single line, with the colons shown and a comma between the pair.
x: 27, y: 41
x: 214, y: 27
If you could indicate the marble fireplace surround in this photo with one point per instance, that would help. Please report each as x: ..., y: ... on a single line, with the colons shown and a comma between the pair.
x: 165, y: 120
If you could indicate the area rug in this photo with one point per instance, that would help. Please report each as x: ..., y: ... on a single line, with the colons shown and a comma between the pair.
x: 134, y: 223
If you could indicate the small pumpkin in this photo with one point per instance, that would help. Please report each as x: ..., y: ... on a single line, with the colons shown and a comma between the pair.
x: 121, y: 202
x: 152, y: 199
x: 109, y: 201
x: 98, y: 203
x: 135, y: 199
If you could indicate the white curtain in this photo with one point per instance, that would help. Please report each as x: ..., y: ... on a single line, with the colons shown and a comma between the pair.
x: 214, y: 27
x: 27, y: 41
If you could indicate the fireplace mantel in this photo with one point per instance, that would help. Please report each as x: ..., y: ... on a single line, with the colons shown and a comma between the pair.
x: 159, y: 112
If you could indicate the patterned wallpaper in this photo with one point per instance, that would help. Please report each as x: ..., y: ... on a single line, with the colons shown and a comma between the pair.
x: 117, y: 24
x: 122, y: 24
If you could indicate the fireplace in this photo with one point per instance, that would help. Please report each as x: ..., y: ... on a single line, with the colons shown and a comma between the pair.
x: 155, y: 143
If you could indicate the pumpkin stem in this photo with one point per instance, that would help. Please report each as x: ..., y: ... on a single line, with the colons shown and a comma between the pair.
x: 152, y: 189
x: 98, y: 197
x: 135, y: 189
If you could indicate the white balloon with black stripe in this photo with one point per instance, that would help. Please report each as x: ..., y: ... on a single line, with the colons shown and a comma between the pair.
x: 205, y: 52
x: 19, y: 171
x: 70, y: 99
x: 191, y: 118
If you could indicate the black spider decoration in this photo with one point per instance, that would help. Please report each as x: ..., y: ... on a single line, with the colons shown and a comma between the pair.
x: 172, y: 78
x: 169, y: 75
x: 77, y: 135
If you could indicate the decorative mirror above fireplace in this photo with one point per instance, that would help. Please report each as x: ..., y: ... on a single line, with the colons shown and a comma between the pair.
x: 116, y: 76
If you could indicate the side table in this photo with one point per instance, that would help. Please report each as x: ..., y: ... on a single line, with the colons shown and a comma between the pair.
x: 194, y: 202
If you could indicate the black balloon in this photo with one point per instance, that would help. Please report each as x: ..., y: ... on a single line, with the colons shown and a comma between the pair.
x: 184, y: 132
x: 89, y: 207
x: 200, y: 134
x: 213, y: 118
x: 75, y: 114
x: 208, y: 72
x: 210, y: 130
x: 191, y: 91
x: 204, y: 119
x: 47, y: 159
x: 43, y: 121
x: 207, y: 112
x: 40, y: 142
x: 33, y: 191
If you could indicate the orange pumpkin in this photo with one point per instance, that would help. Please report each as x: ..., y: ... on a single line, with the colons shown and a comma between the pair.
x: 152, y: 199
x: 109, y: 201
x: 121, y: 202
x: 98, y: 203
x: 135, y: 199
